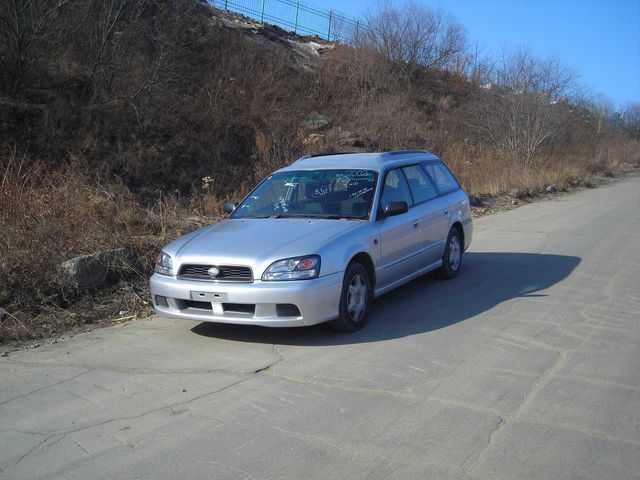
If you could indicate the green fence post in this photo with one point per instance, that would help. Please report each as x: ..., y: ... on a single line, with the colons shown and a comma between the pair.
x: 262, y: 13
x: 295, y: 28
x: 330, y: 18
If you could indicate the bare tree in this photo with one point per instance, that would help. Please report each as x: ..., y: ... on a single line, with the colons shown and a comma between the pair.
x: 631, y: 119
x: 114, y: 23
x: 476, y: 66
x: 521, y: 71
x: 600, y: 118
x: 414, y: 34
x: 602, y: 110
x: 29, y: 29
x: 523, y: 108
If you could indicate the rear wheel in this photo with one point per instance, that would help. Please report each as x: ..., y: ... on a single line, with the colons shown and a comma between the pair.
x: 452, y: 257
x: 354, y: 299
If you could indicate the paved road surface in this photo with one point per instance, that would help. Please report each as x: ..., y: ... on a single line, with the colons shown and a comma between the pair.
x: 526, y: 366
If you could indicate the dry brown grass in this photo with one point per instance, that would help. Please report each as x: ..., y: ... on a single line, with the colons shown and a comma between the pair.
x: 486, y: 173
x: 49, y: 216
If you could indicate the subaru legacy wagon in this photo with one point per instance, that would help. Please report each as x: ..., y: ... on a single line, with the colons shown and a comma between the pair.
x: 317, y: 241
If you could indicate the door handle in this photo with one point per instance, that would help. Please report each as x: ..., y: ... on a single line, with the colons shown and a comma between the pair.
x: 446, y: 211
x: 415, y: 224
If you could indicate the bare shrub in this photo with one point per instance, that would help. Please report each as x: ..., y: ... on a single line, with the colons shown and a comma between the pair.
x: 631, y: 119
x: 29, y: 30
x: 522, y: 112
x: 413, y: 34
x: 360, y: 72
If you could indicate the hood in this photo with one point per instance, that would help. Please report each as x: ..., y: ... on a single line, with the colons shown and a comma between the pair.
x: 256, y: 242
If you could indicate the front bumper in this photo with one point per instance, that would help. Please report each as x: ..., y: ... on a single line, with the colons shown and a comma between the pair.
x: 317, y: 300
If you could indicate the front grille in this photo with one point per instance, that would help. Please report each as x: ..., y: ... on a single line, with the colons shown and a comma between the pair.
x: 245, y: 308
x: 227, y: 273
x: 287, y: 310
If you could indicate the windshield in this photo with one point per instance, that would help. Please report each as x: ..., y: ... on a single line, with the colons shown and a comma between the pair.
x: 312, y: 194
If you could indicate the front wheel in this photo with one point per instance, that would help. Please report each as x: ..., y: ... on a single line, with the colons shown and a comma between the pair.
x: 354, y: 299
x: 452, y: 257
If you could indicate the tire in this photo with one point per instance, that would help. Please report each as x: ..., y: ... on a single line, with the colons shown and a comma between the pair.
x: 452, y: 257
x: 354, y: 299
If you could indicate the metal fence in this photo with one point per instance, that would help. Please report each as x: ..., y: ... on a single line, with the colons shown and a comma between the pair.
x: 297, y: 17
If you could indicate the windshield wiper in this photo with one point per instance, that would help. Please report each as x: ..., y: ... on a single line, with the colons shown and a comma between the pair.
x: 271, y: 215
x: 320, y: 216
x: 339, y: 217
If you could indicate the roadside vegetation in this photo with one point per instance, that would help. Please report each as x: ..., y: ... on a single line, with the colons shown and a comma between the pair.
x: 126, y: 123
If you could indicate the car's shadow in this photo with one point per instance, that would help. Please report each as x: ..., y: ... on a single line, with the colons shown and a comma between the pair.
x: 427, y: 303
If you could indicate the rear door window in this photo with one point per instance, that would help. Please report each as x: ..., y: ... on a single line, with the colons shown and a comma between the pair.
x: 421, y: 187
x: 395, y: 189
x: 442, y: 177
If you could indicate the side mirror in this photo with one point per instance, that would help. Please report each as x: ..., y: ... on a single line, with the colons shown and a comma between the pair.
x: 229, y: 206
x: 395, y: 208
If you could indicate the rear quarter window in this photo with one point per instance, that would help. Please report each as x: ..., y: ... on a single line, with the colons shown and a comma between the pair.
x: 442, y: 177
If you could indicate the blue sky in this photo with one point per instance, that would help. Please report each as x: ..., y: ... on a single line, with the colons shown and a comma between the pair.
x: 599, y: 39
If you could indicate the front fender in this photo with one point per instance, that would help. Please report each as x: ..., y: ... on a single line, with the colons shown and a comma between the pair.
x: 336, y: 258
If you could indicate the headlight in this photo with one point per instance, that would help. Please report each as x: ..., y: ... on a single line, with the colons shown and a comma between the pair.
x: 164, y: 264
x: 297, y: 268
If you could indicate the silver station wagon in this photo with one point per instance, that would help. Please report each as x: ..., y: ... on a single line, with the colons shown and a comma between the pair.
x: 317, y: 241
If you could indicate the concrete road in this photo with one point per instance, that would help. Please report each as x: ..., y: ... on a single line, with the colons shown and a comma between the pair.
x: 525, y: 366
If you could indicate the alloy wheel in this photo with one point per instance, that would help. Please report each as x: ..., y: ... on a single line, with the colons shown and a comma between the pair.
x: 357, y: 298
x: 455, y: 252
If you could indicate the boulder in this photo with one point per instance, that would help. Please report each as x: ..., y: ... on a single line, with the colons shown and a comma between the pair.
x: 314, y: 139
x: 551, y: 189
x: 349, y: 139
x: 96, y: 270
x: 315, y: 121
x: 3, y: 314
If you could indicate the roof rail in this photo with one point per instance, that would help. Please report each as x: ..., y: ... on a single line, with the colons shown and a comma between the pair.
x: 394, y: 152
x: 401, y: 152
x: 327, y: 154
x: 382, y: 154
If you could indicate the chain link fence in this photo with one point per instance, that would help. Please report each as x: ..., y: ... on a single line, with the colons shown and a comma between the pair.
x: 296, y: 16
